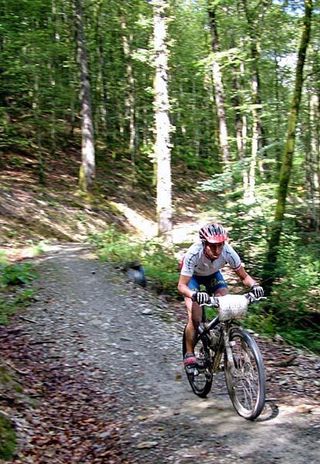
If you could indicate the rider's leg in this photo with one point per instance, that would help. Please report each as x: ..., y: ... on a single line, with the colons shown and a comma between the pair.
x: 217, y: 286
x: 194, y: 318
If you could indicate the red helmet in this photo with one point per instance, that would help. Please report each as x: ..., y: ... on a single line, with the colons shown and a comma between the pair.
x: 213, y: 233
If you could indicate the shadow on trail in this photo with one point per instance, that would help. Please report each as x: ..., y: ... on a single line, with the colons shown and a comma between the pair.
x: 271, y: 411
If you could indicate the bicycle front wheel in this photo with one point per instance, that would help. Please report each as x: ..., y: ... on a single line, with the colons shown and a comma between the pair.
x: 200, y: 377
x: 246, y: 379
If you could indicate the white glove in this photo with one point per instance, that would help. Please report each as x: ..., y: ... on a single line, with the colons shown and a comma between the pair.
x: 257, y: 291
x: 201, y: 297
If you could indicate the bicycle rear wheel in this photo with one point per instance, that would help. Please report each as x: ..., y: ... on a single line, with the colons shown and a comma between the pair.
x: 246, y: 381
x: 199, y: 377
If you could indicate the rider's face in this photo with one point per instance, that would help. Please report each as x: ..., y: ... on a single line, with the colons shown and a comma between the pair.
x: 213, y: 250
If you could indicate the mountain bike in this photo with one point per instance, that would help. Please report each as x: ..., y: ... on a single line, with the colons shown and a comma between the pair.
x: 222, y: 344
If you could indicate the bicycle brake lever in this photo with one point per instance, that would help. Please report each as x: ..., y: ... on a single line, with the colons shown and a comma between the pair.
x: 214, y: 301
x: 253, y: 299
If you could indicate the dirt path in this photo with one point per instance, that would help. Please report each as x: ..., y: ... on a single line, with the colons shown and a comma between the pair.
x: 88, y: 312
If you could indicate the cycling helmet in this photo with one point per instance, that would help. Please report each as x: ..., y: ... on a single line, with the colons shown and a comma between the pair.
x: 213, y: 233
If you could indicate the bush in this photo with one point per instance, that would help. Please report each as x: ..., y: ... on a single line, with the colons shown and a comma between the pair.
x: 14, y: 275
x: 159, y: 262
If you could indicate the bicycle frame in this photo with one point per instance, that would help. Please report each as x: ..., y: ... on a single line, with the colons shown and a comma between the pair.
x: 222, y: 339
x: 223, y: 345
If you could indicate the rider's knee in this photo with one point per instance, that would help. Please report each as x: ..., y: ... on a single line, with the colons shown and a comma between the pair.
x: 221, y: 291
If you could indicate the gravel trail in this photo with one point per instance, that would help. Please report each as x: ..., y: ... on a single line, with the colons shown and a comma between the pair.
x: 128, y: 335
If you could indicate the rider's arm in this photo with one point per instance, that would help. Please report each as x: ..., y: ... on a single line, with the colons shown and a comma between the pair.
x: 245, y: 277
x: 183, y: 286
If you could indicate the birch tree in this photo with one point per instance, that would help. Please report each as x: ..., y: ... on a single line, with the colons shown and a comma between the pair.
x: 162, y: 148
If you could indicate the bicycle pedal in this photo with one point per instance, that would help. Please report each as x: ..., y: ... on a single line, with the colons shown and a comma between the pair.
x: 191, y: 374
x: 200, y: 366
x: 193, y: 371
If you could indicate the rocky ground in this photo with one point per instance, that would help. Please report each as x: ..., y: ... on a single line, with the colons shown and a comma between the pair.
x: 98, y: 365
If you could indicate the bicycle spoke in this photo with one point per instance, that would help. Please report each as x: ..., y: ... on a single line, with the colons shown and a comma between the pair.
x: 200, y: 376
x: 245, y: 380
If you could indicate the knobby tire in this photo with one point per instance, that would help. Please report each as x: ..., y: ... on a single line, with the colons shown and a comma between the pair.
x: 201, y: 378
x: 246, y: 384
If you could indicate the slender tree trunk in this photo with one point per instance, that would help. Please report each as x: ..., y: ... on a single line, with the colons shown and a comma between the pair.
x: 37, y: 118
x: 161, y: 103
x: 130, y: 98
x: 254, y: 24
x: 278, y: 113
x: 286, y: 167
x: 102, y: 86
x: 219, y: 90
x: 240, y: 123
x: 313, y: 163
x: 87, y: 169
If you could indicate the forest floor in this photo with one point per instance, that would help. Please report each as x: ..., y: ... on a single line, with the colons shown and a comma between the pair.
x: 95, y: 363
x: 33, y: 214
x: 98, y: 365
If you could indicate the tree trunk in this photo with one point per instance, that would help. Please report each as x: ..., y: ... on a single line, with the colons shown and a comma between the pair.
x: 162, y: 122
x: 219, y: 90
x: 254, y: 24
x: 101, y: 127
x: 313, y: 163
x: 286, y: 167
x: 240, y: 123
x: 130, y: 99
x: 87, y: 169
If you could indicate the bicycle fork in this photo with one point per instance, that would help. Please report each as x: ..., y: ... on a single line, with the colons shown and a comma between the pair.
x: 230, y: 358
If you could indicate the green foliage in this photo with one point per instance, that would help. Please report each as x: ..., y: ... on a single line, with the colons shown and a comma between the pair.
x: 16, y: 274
x: 39, y: 108
x: 292, y: 309
x: 115, y: 247
x: 303, y: 338
x: 159, y: 261
x: 161, y: 267
x: 9, y: 304
x: 13, y: 291
x: 299, y: 269
x: 257, y: 319
x: 218, y: 183
x: 8, y: 439
x: 293, y: 305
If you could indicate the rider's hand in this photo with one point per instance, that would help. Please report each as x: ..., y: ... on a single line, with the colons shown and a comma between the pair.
x: 201, y: 297
x: 257, y: 291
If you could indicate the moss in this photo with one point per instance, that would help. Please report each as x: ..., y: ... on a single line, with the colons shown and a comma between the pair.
x: 8, y: 439
x: 9, y: 380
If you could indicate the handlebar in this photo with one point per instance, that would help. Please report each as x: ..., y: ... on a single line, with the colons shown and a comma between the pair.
x: 232, y: 306
x: 215, y: 300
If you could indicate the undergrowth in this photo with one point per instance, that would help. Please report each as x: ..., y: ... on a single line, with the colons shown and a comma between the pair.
x: 158, y: 260
x: 7, y: 439
x: 14, y: 290
x: 14, y: 294
x: 289, y: 312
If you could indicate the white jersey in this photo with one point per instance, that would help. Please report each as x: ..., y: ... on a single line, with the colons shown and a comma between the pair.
x: 195, y: 261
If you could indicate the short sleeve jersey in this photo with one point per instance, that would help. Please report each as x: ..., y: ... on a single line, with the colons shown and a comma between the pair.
x: 196, y: 263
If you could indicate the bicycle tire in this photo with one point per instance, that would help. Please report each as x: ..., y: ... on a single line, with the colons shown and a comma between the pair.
x: 200, y: 379
x: 246, y: 384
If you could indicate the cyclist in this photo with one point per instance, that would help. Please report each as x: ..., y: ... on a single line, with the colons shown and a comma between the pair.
x: 201, y: 266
